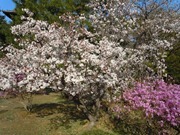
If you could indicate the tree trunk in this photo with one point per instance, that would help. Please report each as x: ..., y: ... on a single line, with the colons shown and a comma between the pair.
x: 92, y: 120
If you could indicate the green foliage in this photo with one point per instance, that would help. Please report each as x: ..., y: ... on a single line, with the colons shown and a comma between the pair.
x: 173, y: 63
x: 50, y: 10
x: 59, y: 66
x: 4, y: 31
x: 5, y: 34
x: 134, y: 122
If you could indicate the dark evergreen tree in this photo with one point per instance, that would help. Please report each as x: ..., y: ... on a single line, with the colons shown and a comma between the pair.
x: 50, y: 10
x: 173, y: 63
x: 6, y: 37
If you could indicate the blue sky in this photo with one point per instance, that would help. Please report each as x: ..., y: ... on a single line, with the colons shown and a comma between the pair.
x: 6, y: 5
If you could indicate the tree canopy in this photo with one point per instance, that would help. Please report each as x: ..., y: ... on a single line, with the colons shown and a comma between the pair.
x: 50, y: 10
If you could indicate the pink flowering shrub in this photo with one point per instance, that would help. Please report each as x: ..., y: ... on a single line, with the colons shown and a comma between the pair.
x: 157, y: 99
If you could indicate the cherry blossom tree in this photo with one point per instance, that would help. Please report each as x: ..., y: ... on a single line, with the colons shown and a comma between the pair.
x: 88, y: 66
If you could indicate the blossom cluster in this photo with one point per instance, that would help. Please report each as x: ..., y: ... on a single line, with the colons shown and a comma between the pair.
x: 58, y: 55
x: 129, y: 24
x: 156, y: 98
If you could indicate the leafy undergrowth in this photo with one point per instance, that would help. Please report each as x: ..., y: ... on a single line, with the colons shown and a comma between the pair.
x: 52, y: 115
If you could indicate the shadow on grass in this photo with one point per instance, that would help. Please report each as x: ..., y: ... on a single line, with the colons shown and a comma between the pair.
x: 63, y: 114
x: 3, y: 111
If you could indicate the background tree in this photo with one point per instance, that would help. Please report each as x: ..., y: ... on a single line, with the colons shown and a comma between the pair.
x: 6, y: 37
x: 138, y: 22
x: 173, y: 63
x: 50, y: 10
x: 169, y: 8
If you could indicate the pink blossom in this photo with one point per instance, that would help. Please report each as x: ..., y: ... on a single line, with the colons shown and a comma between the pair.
x: 157, y: 98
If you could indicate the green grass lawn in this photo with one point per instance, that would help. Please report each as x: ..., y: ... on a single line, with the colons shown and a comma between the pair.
x: 51, y: 115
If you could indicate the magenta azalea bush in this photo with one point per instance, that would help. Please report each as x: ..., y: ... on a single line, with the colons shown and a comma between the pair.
x: 156, y: 98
